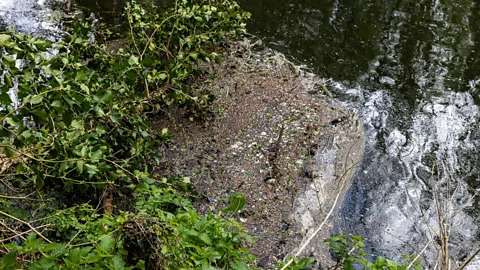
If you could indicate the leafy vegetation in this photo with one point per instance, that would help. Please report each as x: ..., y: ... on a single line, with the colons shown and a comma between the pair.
x: 349, y: 254
x: 148, y: 238
x: 75, y: 119
x: 75, y: 129
x: 349, y: 251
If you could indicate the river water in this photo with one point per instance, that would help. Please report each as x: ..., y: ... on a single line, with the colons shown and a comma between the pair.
x: 31, y: 16
x: 412, y: 68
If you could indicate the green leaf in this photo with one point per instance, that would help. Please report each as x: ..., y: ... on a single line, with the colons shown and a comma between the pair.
x: 8, y: 59
x: 236, y: 204
x: 73, y: 258
x: 10, y: 152
x: 41, y: 114
x: 72, y: 136
x: 39, y: 182
x: 69, y: 101
x: 11, y: 122
x: 85, y: 88
x: 47, y: 70
x: 151, y: 46
x: 107, y: 244
x: 92, y: 169
x: 44, y: 263
x: 8, y: 80
x: 162, y: 76
x: 238, y: 265
x: 36, y: 99
x: 27, y: 134
x: 24, y: 87
x: 140, y: 265
x: 96, y: 155
x: 108, y: 97
x: 99, y: 111
x: 63, y: 167
x: 133, y: 60
x: 205, y: 238
x: 57, y: 103
x: 80, y: 165
x: 77, y: 124
x: 185, y: 217
x: 8, y: 262
x: 194, y: 56
x: 5, y: 99
x: 82, y: 74
x: 4, y: 38
x: 93, y: 258
x: 117, y: 262
x: 101, y: 130
x: 149, y: 180
x: 83, y: 152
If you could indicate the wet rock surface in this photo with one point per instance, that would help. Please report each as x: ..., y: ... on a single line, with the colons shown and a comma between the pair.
x: 276, y: 137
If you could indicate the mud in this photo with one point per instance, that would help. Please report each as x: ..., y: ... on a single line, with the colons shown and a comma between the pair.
x: 277, y: 137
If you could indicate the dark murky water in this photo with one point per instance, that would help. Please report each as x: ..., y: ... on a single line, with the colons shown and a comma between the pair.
x: 412, y: 68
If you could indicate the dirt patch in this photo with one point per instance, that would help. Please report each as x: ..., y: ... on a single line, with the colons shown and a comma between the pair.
x: 275, y: 133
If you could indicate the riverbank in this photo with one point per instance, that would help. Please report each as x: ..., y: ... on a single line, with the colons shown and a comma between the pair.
x: 277, y: 137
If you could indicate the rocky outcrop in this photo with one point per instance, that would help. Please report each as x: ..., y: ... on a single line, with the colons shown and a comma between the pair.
x: 277, y: 137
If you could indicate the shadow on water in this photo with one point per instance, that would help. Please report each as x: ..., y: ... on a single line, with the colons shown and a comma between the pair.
x: 412, y: 68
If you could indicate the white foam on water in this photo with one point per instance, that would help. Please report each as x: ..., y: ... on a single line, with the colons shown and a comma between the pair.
x: 401, y: 217
x: 30, y: 16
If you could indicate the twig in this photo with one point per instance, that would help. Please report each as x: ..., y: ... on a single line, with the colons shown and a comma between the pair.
x: 469, y: 259
x: 16, y: 234
x: 16, y: 198
x: 133, y: 37
x: 344, y: 181
x: 125, y: 170
x: 418, y: 255
x: 155, y: 31
x: 26, y: 223
x: 22, y: 233
x: 73, y: 238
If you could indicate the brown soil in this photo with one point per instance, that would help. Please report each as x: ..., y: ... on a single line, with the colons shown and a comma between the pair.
x: 270, y: 118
